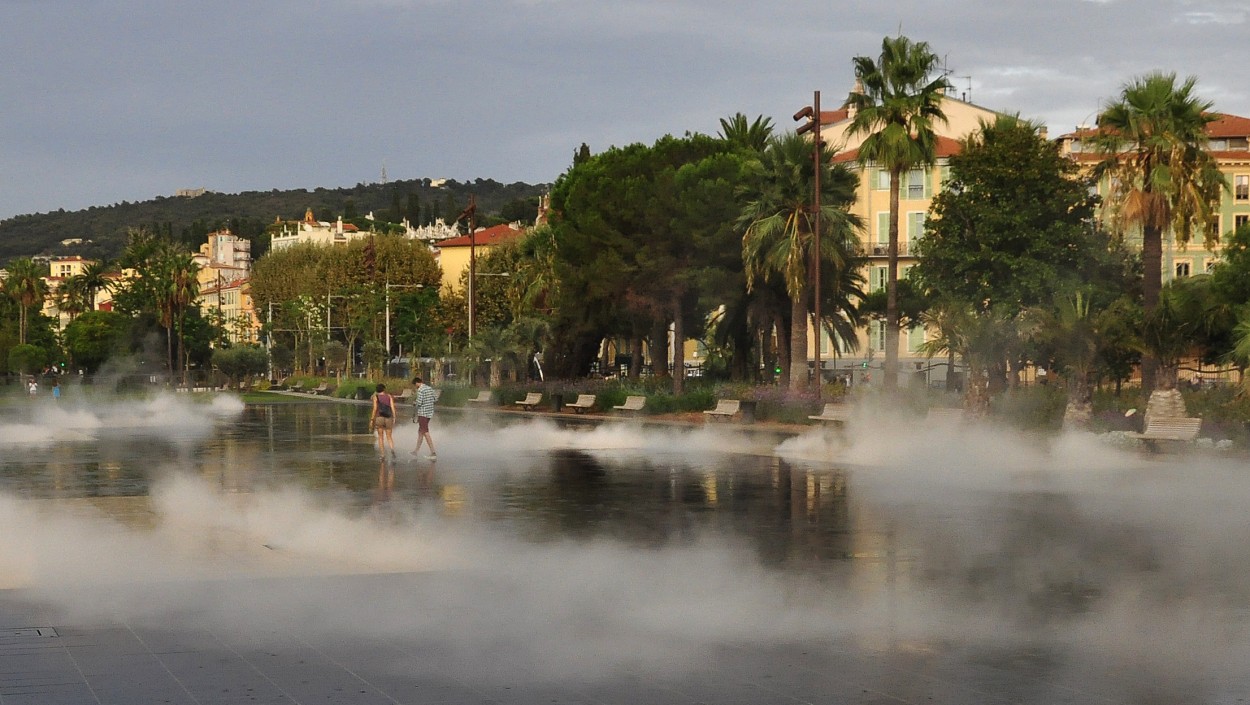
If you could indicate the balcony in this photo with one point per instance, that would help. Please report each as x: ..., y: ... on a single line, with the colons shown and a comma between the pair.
x: 880, y: 249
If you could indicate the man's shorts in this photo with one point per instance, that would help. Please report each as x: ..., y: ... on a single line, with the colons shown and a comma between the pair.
x: 423, y: 424
x: 384, y: 422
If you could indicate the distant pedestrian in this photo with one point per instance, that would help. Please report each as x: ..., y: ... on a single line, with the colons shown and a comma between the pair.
x: 56, y: 391
x: 425, y: 412
x: 33, y: 388
x: 382, y: 419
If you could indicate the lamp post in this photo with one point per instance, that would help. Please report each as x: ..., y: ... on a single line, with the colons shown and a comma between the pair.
x: 469, y: 215
x: 812, y: 114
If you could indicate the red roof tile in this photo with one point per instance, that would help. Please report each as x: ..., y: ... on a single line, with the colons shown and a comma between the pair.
x: 495, y: 235
x: 946, y: 147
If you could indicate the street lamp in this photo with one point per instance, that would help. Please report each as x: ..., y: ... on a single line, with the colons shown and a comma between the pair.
x: 812, y: 114
x: 469, y: 215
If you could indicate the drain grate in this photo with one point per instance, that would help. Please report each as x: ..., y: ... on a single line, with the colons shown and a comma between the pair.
x: 27, y: 632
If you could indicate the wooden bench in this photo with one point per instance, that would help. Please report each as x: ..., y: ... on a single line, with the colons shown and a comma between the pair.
x: 325, y: 390
x: 1168, y: 428
x: 406, y: 396
x: 531, y: 400
x: 632, y: 404
x: 319, y: 389
x: 833, y: 413
x: 483, y: 397
x: 584, y: 403
x: 725, y: 409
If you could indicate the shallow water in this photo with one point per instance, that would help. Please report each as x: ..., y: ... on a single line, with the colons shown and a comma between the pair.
x: 976, y: 553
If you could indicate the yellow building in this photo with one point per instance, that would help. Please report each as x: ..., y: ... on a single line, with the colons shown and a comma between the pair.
x: 453, y: 254
x: 872, y: 205
x: 1229, y: 142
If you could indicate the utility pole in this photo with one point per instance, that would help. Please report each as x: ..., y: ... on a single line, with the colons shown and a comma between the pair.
x: 469, y: 215
x: 812, y: 113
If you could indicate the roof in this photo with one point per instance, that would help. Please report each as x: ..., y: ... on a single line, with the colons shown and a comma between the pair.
x: 495, y: 235
x: 1224, y: 125
x: 946, y: 147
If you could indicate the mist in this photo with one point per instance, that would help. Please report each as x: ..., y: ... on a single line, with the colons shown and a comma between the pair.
x: 1123, y: 573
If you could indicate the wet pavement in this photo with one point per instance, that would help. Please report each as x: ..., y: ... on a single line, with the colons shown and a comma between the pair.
x: 169, y: 552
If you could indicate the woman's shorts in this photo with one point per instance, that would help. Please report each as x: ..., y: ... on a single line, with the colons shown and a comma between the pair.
x: 381, y: 422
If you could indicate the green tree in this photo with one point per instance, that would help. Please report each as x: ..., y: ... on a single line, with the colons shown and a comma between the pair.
x: 27, y: 359
x: 896, y: 103
x: 1159, y: 174
x: 94, y: 337
x: 779, y: 234
x: 240, y: 362
x: 25, y: 285
x: 1013, y: 224
x: 750, y: 135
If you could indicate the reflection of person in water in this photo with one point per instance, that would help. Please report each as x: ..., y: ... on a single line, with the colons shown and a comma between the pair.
x: 386, y: 483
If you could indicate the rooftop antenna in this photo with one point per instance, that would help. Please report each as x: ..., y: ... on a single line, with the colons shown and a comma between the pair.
x: 967, y: 96
x: 383, y: 172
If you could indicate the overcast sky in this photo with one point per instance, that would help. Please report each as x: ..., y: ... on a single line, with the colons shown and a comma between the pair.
x: 109, y: 100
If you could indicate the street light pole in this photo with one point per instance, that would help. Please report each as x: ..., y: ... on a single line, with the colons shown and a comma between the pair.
x: 813, y: 125
x: 468, y: 214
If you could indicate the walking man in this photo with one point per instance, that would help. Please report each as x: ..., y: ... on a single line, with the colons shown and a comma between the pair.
x: 425, y: 411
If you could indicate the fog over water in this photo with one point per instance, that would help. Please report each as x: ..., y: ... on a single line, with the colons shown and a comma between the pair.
x: 539, y: 551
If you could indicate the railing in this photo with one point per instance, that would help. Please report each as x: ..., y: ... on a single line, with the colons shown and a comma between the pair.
x: 881, y: 249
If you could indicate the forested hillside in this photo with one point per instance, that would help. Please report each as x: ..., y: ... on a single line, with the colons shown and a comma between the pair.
x: 102, y: 229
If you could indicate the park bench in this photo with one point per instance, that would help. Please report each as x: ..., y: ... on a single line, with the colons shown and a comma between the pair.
x: 325, y: 390
x: 483, y: 397
x: 728, y: 408
x: 584, y: 403
x: 1168, y: 428
x: 531, y: 400
x: 297, y: 387
x: 406, y: 396
x: 319, y: 389
x: 834, y: 413
x: 633, y: 404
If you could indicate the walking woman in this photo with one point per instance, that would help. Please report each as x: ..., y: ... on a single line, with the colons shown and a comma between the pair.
x: 383, y: 420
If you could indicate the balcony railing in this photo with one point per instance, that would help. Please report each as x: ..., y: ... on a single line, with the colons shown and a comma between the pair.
x: 881, y: 249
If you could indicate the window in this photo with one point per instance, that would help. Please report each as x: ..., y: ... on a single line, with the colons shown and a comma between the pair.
x: 1241, y: 187
x: 1239, y: 221
x: 915, y: 338
x: 883, y: 232
x: 915, y: 184
x: 876, y: 335
x: 877, y: 278
x: 1182, y: 269
x: 883, y: 180
x: 915, y: 225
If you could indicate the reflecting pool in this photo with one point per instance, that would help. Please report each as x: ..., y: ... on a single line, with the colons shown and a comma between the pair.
x: 925, y: 564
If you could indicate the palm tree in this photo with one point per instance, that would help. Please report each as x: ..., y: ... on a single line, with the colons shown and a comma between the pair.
x: 25, y: 285
x: 896, y: 105
x: 173, y: 272
x: 71, y: 297
x: 1159, y: 173
x: 95, y: 278
x: 753, y: 135
x: 778, y: 225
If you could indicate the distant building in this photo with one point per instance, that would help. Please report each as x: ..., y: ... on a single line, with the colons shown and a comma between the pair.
x: 190, y: 192
x: 229, y: 304
x: 309, y: 230
x: 453, y: 254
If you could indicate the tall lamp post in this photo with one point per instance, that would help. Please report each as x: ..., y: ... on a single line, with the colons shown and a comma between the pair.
x: 812, y: 114
x: 469, y: 216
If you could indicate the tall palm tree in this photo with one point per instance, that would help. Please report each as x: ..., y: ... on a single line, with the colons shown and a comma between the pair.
x: 95, y: 278
x: 778, y: 227
x: 896, y: 103
x: 25, y: 285
x: 1159, y: 174
x: 174, y: 274
x: 71, y: 296
x: 751, y: 135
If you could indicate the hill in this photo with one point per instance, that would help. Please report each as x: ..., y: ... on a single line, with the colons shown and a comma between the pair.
x: 102, y: 229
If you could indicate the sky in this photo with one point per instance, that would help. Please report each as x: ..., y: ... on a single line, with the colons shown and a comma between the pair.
x: 103, y: 101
